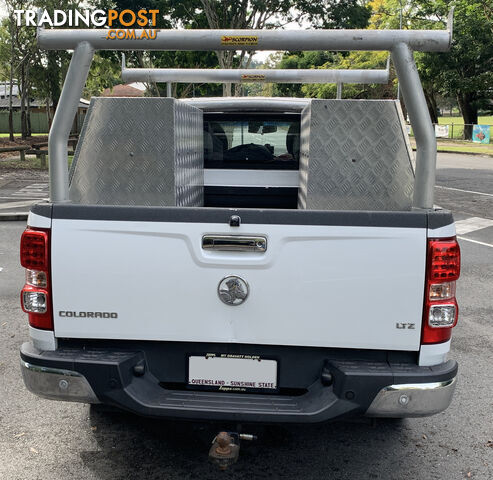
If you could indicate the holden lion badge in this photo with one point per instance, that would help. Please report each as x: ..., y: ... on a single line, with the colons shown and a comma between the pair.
x: 232, y: 290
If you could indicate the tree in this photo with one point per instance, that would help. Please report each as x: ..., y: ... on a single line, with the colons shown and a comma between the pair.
x: 260, y: 14
x: 300, y: 60
x: 9, y: 34
x: 241, y: 14
x: 6, y: 60
x: 354, y: 60
x: 466, y: 71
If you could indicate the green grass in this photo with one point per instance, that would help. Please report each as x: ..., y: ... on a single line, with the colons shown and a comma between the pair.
x: 460, y: 146
x: 458, y: 124
x: 483, y: 149
x: 30, y: 163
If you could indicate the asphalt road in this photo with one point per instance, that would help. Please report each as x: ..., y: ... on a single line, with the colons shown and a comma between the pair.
x: 40, y: 439
x: 19, y: 189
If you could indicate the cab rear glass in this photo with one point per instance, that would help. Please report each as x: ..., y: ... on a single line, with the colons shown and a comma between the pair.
x: 252, y: 141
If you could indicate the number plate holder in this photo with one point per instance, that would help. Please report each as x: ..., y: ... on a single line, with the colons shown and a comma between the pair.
x: 232, y: 373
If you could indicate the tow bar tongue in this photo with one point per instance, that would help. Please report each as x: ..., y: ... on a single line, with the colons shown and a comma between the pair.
x: 225, y: 448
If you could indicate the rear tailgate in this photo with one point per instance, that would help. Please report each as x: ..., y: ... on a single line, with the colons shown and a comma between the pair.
x: 328, y: 279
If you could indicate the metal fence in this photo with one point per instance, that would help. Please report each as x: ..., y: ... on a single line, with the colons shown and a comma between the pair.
x: 455, y: 131
x: 39, y: 122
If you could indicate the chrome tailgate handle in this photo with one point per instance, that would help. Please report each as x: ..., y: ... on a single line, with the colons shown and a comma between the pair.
x: 234, y: 243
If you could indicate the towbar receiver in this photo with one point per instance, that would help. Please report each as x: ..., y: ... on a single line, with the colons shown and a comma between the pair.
x: 401, y: 44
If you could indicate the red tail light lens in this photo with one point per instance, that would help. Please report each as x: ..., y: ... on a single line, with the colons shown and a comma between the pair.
x: 36, y: 294
x: 34, y: 249
x: 441, y: 309
x: 444, y: 260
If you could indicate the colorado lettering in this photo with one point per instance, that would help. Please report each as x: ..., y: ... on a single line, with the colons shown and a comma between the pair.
x: 67, y: 313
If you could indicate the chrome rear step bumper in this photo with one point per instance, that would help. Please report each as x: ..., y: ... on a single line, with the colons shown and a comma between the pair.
x: 57, y: 383
x: 412, y: 399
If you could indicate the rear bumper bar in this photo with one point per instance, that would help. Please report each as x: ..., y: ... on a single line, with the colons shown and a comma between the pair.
x: 412, y: 399
x: 376, y: 389
x: 57, y: 383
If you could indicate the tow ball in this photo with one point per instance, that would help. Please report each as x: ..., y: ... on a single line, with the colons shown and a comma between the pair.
x: 225, y: 448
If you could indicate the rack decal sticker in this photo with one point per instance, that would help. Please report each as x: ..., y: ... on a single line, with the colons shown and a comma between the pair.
x: 252, y: 77
x: 239, y: 40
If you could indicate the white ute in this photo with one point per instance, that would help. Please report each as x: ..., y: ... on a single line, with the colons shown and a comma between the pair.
x: 244, y: 259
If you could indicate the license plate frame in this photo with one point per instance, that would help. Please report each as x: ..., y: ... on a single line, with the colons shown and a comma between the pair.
x: 232, y: 373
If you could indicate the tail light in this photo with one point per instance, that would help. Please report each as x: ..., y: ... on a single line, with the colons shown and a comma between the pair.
x: 441, y: 309
x: 36, y: 294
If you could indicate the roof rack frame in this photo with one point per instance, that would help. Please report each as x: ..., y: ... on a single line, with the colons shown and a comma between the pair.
x: 400, y: 43
x: 234, y: 75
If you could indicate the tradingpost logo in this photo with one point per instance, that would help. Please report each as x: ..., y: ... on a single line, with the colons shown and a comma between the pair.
x: 135, y: 22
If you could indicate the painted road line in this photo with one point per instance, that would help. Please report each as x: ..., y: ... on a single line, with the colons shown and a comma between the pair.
x: 27, y: 203
x: 475, y: 241
x: 34, y: 194
x: 465, y: 191
x: 472, y: 224
x: 25, y: 198
x: 33, y: 190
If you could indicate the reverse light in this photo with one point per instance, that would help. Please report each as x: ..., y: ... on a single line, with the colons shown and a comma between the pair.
x: 36, y: 294
x: 441, y: 309
x: 34, y: 301
x: 441, y: 316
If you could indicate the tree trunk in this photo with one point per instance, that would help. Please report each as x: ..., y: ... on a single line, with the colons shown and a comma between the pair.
x: 469, y: 113
x: 226, y: 61
x: 28, y: 116
x: 187, y: 90
x: 22, y: 85
x: 152, y: 86
x: 432, y: 105
x: 239, y: 87
x: 403, y: 108
x: 11, y: 90
x: 227, y: 89
x: 48, y: 112
x: 53, y: 70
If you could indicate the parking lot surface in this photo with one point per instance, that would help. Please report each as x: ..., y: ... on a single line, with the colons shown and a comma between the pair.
x: 42, y: 439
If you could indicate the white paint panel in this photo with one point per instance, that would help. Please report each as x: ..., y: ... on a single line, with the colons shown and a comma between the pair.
x: 327, y: 286
x: 43, y: 339
x: 38, y: 221
x: 433, y: 354
x: 442, y: 232
x: 251, y: 178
